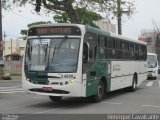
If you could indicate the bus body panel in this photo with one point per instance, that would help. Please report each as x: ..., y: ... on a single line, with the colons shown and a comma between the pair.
x: 122, y: 76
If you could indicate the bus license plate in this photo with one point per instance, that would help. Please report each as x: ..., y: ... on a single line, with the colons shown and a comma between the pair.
x: 47, y: 89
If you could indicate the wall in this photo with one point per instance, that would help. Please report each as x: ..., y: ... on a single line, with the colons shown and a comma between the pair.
x: 13, y: 67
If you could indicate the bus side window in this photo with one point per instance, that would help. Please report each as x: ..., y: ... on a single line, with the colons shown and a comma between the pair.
x: 89, y: 53
x: 85, y: 53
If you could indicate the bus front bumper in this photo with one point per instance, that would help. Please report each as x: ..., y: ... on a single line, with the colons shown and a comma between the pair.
x: 73, y: 90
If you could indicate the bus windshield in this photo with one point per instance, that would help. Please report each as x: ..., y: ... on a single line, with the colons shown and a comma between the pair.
x: 52, y: 54
x: 152, y: 61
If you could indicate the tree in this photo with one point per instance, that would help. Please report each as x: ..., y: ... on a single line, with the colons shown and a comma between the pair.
x: 86, y: 17
x: 68, y: 9
x: 123, y: 8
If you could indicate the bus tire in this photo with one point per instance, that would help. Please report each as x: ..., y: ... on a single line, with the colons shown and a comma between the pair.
x: 55, y: 98
x: 134, y: 84
x: 100, y: 93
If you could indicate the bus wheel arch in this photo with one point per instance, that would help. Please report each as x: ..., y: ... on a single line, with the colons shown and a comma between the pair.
x: 104, y: 81
x: 136, y: 77
x: 101, y: 90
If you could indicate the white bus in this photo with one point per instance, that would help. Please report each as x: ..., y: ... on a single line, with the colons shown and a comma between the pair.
x: 81, y: 61
x: 152, y: 60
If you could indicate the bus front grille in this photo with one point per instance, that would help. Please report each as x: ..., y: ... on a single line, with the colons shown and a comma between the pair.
x: 55, y: 91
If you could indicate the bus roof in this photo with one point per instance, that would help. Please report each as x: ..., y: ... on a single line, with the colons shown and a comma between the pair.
x: 106, y: 33
x: 91, y: 29
x: 127, y: 39
x: 56, y: 24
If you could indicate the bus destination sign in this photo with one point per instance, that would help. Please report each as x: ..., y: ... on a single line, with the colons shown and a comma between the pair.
x: 54, y: 30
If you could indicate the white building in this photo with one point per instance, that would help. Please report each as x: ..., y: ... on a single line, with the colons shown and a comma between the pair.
x: 106, y: 25
x: 14, y: 47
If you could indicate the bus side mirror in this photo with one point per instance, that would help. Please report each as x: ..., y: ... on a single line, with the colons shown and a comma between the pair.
x: 85, y: 53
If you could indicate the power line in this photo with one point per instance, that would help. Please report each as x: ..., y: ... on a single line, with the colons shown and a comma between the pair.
x: 22, y: 16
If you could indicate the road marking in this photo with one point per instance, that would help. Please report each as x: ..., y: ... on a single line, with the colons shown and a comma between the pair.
x: 18, y: 86
x: 149, y: 84
x: 111, y: 103
x: 159, y: 83
x: 9, y: 92
x: 150, y: 106
x: 42, y: 112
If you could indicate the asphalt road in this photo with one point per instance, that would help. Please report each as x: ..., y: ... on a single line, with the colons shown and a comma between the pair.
x: 145, y: 100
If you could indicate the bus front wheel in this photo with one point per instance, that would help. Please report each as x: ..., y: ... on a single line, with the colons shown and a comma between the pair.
x: 55, y: 98
x: 100, y: 93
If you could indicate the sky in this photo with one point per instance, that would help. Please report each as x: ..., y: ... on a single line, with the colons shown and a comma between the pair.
x: 146, y: 12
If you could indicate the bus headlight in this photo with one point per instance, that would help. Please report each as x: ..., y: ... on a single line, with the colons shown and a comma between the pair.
x: 154, y: 71
x: 70, y: 82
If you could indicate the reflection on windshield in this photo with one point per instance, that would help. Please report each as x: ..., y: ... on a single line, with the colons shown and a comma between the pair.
x: 52, y: 55
x: 152, y: 61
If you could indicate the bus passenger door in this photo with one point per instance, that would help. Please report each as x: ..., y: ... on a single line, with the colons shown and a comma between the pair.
x: 89, y: 67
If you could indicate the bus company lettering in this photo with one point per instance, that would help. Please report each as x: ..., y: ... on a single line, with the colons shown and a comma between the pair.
x: 116, y: 67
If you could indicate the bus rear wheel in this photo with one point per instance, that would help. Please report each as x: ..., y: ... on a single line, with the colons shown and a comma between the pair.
x: 100, y: 93
x: 134, y: 84
x: 55, y: 98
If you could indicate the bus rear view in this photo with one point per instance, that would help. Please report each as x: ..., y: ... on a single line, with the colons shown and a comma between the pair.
x: 152, y: 65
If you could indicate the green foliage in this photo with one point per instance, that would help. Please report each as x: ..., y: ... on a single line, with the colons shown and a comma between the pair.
x: 38, y: 23
x: 23, y: 32
x: 77, y: 11
x: 69, y: 7
x: 86, y: 17
x: 61, y: 18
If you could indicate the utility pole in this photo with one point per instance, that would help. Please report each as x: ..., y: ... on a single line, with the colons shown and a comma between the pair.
x: 11, y: 49
x: 4, y: 38
x: 119, y: 16
x: 120, y: 12
x: 1, y: 40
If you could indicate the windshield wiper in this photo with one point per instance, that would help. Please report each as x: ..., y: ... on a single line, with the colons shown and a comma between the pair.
x: 54, y: 52
x: 45, y: 50
x: 58, y: 46
x: 61, y: 43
